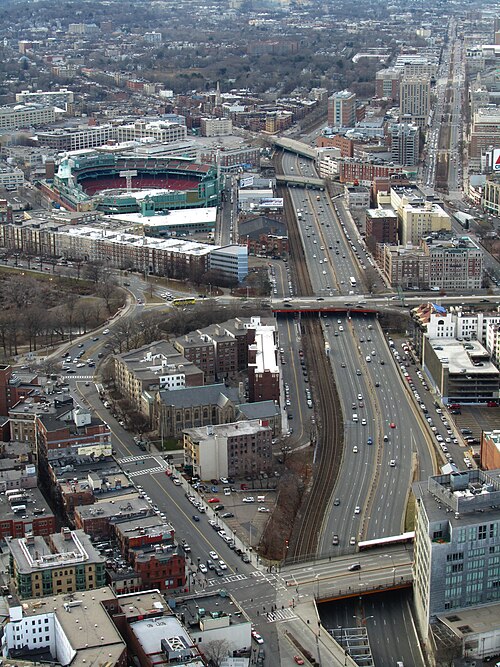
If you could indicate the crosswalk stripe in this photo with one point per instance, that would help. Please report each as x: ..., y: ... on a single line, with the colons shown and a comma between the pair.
x: 129, y: 459
x: 281, y: 615
x: 147, y: 471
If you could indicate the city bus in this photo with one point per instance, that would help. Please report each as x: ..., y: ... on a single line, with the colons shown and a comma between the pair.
x: 189, y: 301
x: 352, y: 280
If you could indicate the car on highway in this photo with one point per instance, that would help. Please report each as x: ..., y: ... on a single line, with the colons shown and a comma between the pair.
x: 357, y: 509
x: 214, y: 555
x: 336, y: 502
x: 203, y: 568
x: 106, y: 332
x: 392, y: 425
x: 352, y: 541
x: 196, y: 517
x: 369, y: 441
x: 392, y: 463
x: 298, y: 660
x: 335, y: 540
x: 355, y: 449
x: 263, y: 509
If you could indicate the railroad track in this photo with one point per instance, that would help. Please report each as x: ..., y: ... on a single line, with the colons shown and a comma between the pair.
x: 304, y: 541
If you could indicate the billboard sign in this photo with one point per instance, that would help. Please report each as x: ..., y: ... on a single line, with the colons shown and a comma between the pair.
x: 277, y: 202
x: 246, y: 182
x: 496, y: 159
x: 95, y: 450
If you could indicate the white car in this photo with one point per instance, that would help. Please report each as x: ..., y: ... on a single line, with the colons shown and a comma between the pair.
x: 357, y: 509
x: 392, y: 463
x: 355, y: 449
x: 249, y: 499
x: 203, y: 568
x: 256, y: 637
x: 263, y: 509
x: 222, y: 565
x: 106, y: 332
x: 213, y: 555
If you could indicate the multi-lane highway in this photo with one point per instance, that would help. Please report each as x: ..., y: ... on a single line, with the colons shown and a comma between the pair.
x: 383, y: 439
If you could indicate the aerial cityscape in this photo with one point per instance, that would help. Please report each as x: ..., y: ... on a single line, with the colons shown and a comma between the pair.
x: 250, y: 335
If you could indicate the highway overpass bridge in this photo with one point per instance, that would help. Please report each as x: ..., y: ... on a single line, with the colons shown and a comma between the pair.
x: 301, y: 181
x: 294, y: 146
x: 380, y: 570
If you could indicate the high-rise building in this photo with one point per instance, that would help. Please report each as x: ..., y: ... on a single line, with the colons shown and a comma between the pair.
x: 415, y: 99
x: 457, y: 545
x: 404, y: 144
x: 342, y: 109
x: 387, y: 83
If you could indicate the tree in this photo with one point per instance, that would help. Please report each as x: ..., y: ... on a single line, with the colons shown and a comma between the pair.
x: 216, y: 650
x: 94, y: 271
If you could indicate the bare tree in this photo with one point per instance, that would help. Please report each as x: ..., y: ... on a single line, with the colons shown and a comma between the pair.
x: 94, y: 271
x: 216, y: 650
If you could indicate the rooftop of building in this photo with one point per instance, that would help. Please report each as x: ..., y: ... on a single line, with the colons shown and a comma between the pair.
x: 466, y: 622
x: 173, y: 245
x: 31, y: 506
x: 71, y: 467
x: 120, y: 508
x: 465, y: 358
x: 265, y: 350
x: 84, y: 621
x: 144, y: 604
x: 211, y: 394
x: 150, y: 632
x: 358, y: 189
x: 231, y: 249
x: 453, y: 243
x: 211, y: 605
x: 149, y: 527
x: 187, y: 216
x: 157, y: 359
x: 259, y: 410
x: 381, y: 213
x: 68, y: 548
x: 342, y: 95
x: 108, y: 479
x: 461, y: 498
x: 232, y: 430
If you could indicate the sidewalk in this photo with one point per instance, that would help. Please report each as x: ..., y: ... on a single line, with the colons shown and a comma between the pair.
x: 306, y: 634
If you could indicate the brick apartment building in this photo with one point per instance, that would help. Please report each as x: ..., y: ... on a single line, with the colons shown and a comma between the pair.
x: 381, y: 226
x: 357, y: 170
x: 344, y: 144
x: 26, y: 512
x: 14, y: 388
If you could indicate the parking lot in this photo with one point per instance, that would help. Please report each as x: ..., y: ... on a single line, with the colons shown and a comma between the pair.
x: 243, y: 513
